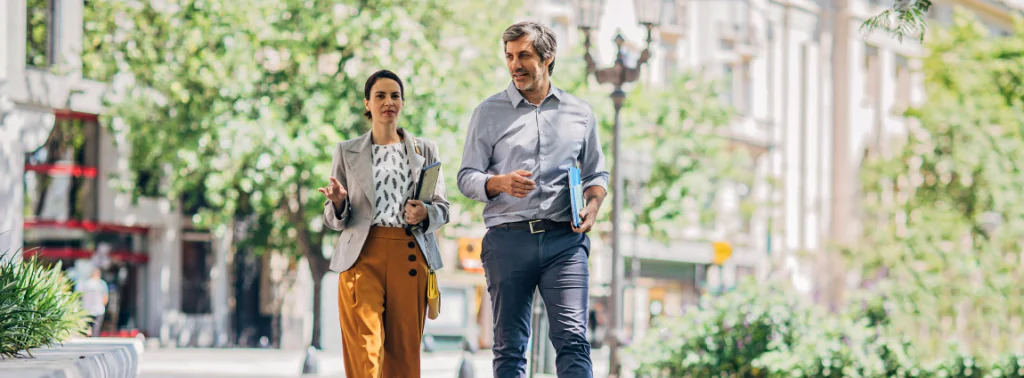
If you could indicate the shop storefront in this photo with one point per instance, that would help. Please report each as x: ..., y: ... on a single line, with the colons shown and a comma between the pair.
x: 62, y: 222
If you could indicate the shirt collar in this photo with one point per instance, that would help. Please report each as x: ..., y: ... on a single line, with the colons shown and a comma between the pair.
x: 517, y: 98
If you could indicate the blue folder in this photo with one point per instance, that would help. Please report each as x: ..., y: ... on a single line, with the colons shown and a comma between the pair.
x: 575, y: 195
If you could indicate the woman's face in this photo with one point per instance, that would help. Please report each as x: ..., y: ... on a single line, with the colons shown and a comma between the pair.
x: 385, y: 103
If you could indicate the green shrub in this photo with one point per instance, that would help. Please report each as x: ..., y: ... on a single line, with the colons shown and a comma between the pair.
x: 759, y: 331
x: 722, y: 336
x: 1010, y: 366
x: 960, y: 365
x: 37, y: 307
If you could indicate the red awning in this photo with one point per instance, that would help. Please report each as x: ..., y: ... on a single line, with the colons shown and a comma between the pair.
x: 89, y: 226
x: 62, y: 253
x: 63, y: 170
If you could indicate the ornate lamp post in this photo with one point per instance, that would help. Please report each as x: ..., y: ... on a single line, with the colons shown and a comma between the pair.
x: 619, y: 74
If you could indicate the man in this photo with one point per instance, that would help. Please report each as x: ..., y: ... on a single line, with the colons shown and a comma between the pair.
x: 94, y: 297
x: 519, y: 144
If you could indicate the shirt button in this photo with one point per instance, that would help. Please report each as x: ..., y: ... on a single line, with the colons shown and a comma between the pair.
x: 412, y: 272
x: 412, y: 257
x: 408, y: 232
x: 412, y: 245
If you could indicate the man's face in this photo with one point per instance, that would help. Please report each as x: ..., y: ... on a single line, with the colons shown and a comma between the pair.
x: 529, y: 72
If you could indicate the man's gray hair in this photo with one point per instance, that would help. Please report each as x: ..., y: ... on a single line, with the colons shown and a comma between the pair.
x: 542, y: 37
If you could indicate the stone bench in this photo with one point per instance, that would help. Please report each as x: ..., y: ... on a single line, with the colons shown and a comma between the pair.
x: 79, y: 358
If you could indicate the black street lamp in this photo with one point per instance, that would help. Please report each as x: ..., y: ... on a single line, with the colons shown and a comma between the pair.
x: 619, y: 74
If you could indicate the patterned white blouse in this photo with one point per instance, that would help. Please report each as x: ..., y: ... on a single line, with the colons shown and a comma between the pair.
x: 392, y: 180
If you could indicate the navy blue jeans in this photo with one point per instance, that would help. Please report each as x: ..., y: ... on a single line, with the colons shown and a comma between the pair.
x: 516, y: 263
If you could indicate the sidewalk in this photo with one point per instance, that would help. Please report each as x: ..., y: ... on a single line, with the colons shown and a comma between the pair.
x: 79, y: 357
x: 273, y: 363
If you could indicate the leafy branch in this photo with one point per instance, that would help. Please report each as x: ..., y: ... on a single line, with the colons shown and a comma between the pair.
x: 906, y: 18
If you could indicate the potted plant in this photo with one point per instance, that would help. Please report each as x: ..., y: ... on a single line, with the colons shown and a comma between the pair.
x: 38, y: 307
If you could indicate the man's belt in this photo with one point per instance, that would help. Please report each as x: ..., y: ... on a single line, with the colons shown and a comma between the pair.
x: 535, y: 226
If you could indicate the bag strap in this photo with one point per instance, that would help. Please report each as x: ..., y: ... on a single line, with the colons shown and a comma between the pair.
x: 416, y: 146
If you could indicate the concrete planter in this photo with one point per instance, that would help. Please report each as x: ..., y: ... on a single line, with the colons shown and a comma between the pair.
x: 79, y: 358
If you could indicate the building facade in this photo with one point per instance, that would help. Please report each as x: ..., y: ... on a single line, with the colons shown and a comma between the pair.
x: 58, y: 202
x: 814, y: 97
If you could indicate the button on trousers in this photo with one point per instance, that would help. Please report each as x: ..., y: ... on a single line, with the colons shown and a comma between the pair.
x: 382, y: 302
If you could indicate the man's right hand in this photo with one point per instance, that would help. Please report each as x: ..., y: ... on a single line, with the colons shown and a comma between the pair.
x: 334, y: 192
x: 515, y: 184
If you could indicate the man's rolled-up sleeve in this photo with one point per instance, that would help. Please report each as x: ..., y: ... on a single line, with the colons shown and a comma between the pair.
x: 592, y: 170
x: 476, y: 157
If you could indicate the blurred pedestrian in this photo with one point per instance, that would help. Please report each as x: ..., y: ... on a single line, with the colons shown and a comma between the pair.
x: 95, y: 295
x: 386, y: 253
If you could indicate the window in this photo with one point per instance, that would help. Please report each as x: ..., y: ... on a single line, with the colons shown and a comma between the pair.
x: 196, y: 262
x: 903, y: 84
x: 194, y: 200
x: 668, y: 59
x: 747, y: 207
x: 746, y: 92
x: 561, y: 29
x: 870, y: 69
x: 727, y: 44
x: 997, y: 31
x: 728, y: 95
x: 942, y: 13
x: 741, y: 15
x: 147, y: 182
x: 670, y: 13
x: 709, y: 210
x: 61, y: 176
x: 737, y: 86
x: 94, y: 33
x: 39, y: 36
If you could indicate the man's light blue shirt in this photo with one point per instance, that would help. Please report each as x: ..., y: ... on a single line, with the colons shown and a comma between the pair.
x: 508, y: 133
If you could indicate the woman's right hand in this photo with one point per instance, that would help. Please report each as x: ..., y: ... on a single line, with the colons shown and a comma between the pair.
x: 334, y: 192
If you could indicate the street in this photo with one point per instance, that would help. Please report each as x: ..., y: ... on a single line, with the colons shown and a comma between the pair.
x: 273, y: 363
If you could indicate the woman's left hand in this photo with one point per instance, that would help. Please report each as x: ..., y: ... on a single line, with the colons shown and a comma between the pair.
x: 415, y: 211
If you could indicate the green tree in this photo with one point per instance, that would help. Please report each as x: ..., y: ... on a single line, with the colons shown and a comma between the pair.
x: 685, y: 126
x: 681, y: 126
x: 238, y: 105
x: 945, y: 212
x: 906, y: 18
x: 37, y: 41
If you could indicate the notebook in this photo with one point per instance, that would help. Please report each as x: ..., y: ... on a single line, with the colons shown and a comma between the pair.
x: 428, y: 182
x: 575, y: 195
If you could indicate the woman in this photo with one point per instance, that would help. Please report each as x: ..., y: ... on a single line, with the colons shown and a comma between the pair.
x: 384, y: 261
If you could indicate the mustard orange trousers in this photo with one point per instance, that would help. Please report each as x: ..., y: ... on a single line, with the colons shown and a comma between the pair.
x: 382, y: 305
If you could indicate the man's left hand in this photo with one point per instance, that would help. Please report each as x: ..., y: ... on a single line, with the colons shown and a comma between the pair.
x: 415, y: 212
x: 588, y: 214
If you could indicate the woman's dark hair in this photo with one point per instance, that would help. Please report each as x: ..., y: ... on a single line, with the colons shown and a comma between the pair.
x: 382, y: 74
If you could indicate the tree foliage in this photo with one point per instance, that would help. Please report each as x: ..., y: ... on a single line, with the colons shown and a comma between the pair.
x: 906, y: 18
x: 945, y: 212
x: 685, y: 126
x: 680, y: 127
x: 237, y: 106
x: 37, y: 41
